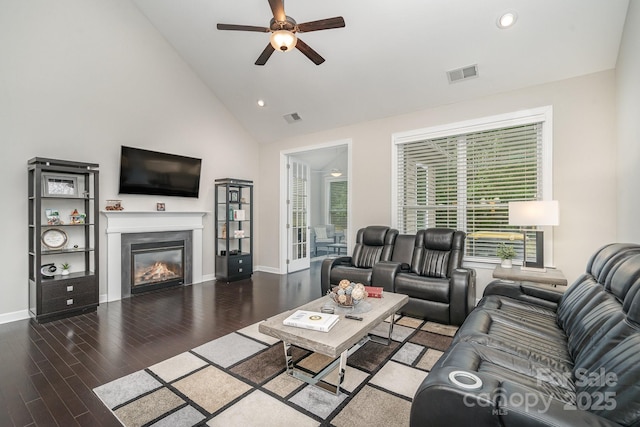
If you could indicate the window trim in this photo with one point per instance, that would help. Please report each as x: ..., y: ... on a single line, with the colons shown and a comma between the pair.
x: 521, y: 117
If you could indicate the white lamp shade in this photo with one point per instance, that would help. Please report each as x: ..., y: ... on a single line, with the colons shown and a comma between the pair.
x: 283, y: 40
x: 534, y: 212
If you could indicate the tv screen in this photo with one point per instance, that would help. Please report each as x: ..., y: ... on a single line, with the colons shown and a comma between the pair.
x: 162, y: 174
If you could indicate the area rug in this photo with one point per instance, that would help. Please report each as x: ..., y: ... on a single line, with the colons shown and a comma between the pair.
x: 240, y: 380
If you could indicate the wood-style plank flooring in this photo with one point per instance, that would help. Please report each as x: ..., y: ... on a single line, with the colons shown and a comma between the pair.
x: 48, y: 371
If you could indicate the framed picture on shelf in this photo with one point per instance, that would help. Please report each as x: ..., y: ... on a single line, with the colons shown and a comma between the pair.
x: 54, y: 238
x: 234, y: 196
x: 59, y: 185
x: 53, y: 216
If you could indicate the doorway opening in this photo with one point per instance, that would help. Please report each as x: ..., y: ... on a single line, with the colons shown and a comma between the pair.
x: 315, y: 204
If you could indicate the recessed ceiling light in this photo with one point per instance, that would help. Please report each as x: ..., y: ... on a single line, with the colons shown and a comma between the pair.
x: 261, y: 103
x: 506, y: 20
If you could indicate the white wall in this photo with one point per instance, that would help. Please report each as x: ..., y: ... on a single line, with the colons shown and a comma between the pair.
x: 79, y: 78
x: 628, y: 103
x: 584, y: 164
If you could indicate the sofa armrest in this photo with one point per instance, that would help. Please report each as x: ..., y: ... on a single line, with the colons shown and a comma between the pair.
x: 531, y: 294
x: 384, y: 274
x: 325, y: 271
x: 440, y: 403
x: 462, y: 293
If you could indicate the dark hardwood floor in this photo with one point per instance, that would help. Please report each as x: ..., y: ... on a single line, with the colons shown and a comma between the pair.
x: 48, y: 371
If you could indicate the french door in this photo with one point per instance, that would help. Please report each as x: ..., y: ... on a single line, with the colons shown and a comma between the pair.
x: 298, y: 231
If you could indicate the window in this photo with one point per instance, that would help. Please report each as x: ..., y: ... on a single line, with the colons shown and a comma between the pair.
x: 337, y: 203
x: 462, y: 176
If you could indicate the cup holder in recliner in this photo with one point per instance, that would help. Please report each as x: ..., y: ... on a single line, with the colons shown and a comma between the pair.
x: 466, y: 380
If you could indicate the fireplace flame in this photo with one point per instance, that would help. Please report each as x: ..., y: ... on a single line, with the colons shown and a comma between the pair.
x: 158, y: 272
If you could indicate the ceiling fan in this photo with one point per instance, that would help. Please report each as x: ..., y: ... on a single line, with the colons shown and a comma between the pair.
x: 283, y: 31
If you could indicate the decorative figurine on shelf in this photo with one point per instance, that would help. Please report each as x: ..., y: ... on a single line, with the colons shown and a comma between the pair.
x: 223, y: 233
x: 76, y: 217
x: 114, y: 205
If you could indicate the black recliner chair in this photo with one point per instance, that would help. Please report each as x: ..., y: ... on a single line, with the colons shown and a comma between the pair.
x: 373, y: 244
x: 428, y: 268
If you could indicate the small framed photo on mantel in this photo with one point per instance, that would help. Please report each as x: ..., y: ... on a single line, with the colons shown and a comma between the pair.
x: 160, y: 207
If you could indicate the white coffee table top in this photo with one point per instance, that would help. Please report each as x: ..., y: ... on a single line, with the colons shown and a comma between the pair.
x: 345, y: 334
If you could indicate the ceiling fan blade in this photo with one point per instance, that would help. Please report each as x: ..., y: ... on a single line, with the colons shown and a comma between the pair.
x: 309, y: 53
x: 234, y: 27
x: 277, y: 7
x: 323, y: 24
x: 265, y: 55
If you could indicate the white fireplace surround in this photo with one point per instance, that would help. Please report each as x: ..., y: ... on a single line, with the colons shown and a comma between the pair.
x: 123, y: 222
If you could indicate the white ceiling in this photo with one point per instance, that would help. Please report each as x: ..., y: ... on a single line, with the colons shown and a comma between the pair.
x: 391, y: 57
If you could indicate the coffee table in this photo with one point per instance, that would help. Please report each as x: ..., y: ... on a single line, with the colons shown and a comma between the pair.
x: 342, y: 340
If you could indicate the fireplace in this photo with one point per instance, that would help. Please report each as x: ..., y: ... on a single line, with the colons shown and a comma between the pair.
x: 155, y: 260
x: 122, y: 227
x: 156, y: 265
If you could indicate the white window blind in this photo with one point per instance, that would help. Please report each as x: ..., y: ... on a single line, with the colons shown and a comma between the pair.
x: 465, y: 181
x: 337, y: 212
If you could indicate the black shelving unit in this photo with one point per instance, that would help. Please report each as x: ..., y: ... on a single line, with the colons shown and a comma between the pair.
x: 234, y: 229
x: 64, y: 188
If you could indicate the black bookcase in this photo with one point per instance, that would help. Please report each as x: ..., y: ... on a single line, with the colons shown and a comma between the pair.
x: 63, y: 229
x: 234, y: 229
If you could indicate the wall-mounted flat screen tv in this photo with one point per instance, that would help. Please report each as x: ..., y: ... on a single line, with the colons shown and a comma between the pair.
x: 161, y: 174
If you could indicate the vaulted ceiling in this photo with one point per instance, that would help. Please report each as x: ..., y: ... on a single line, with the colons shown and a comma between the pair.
x: 391, y: 58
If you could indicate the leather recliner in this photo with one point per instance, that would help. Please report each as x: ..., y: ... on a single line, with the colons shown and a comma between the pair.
x: 373, y: 244
x: 531, y: 356
x: 428, y: 268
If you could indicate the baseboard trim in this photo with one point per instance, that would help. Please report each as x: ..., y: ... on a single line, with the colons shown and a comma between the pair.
x: 206, y: 278
x: 266, y: 269
x: 14, y: 316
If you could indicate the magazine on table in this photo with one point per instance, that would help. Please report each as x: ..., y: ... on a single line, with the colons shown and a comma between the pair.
x: 314, y: 320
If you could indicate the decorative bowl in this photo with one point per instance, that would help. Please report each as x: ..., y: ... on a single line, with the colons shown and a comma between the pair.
x: 348, y: 294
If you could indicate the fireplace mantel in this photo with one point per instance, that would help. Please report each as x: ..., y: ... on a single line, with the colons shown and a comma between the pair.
x: 123, y: 222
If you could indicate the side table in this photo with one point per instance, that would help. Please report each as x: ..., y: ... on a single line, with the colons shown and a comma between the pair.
x: 552, y: 276
x: 337, y: 247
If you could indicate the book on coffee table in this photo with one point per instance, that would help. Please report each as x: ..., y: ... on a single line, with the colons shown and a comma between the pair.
x: 373, y: 291
x: 322, y: 322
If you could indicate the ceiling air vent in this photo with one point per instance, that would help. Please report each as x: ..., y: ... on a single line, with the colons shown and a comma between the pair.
x: 292, y: 118
x: 463, y: 73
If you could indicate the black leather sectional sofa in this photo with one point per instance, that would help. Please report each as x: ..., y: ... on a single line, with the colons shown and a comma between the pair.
x: 533, y: 357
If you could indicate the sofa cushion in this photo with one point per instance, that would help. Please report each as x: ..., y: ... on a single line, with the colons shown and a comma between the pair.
x: 434, y: 263
x: 366, y: 256
x: 321, y: 232
x: 427, y: 288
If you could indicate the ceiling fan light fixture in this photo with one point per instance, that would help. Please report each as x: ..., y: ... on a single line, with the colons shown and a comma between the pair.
x: 283, y: 40
x: 336, y: 173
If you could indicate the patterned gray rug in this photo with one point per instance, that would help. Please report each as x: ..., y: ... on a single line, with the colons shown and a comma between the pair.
x: 240, y: 380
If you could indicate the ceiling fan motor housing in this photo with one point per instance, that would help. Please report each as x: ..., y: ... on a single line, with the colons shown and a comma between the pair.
x: 288, y: 25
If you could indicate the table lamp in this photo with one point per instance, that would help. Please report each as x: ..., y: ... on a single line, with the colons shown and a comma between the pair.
x: 534, y: 213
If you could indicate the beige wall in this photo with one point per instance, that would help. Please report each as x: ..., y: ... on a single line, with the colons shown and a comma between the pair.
x: 583, y: 151
x: 628, y: 92
x: 80, y: 78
